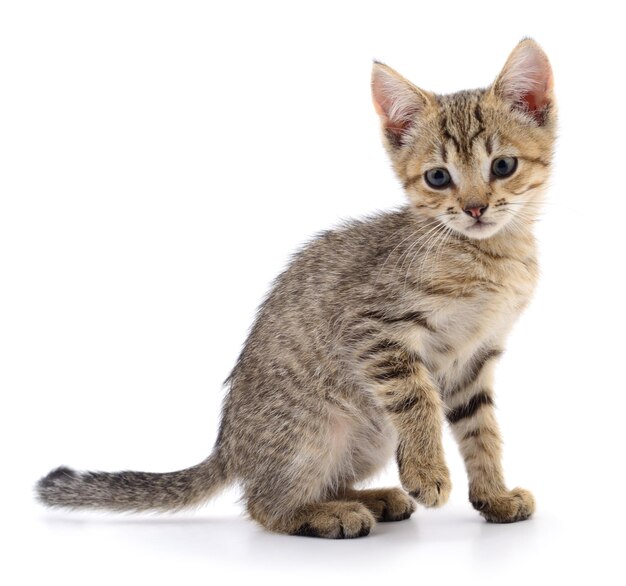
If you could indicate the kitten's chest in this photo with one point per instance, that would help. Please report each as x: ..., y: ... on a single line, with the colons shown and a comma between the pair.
x: 478, y: 313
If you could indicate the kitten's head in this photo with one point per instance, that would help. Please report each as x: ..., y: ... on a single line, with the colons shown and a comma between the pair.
x: 476, y: 161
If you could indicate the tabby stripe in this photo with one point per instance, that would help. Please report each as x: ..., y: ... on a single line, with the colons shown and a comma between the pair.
x: 358, y: 334
x: 472, y: 434
x: 411, y: 181
x: 533, y: 186
x: 444, y: 292
x: 401, y: 371
x: 475, y: 433
x: 448, y: 136
x: 286, y: 372
x: 394, y: 137
x: 468, y: 410
x: 475, y: 136
x: 413, y: 317
x: 481, y: 128
x: 478, y: 114
x: 488, y: 145
x: 404, y: 405
x: 399, y: 458
x: 382, y: 346
x: 455, y: 141
x: 474, y: 371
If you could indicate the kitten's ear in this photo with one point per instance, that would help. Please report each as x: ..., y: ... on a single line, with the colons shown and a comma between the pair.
x: 526, y: 81
x: 397, y: 102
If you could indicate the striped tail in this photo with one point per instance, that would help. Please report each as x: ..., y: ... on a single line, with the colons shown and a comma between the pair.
x: 133, y: 491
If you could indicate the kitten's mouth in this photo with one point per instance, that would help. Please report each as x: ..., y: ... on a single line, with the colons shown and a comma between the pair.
x: 480, y: 229
x: 480, y: 225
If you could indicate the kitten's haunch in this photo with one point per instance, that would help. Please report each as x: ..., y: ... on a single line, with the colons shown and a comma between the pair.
x: 382, y: 329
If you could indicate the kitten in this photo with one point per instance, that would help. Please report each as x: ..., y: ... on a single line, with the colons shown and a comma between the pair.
x: 382, y: 328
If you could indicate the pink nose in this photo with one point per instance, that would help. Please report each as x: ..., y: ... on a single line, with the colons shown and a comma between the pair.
x: 475, y: 212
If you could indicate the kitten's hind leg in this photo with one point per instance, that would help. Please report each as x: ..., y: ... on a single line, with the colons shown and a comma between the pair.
x: 331, y: 519
x: 297, y: 494
x: 386, y: 504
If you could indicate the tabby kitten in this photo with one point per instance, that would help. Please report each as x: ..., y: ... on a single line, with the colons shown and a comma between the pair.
x: 382, y: 328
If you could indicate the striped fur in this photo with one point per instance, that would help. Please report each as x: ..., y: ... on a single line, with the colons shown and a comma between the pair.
x: 381, y: 330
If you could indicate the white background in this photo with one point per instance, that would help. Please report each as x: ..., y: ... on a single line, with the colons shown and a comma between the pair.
x: 159, y: 162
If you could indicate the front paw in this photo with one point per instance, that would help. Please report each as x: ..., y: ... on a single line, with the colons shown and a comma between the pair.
x: 428, y: 486
x: 515, y: 505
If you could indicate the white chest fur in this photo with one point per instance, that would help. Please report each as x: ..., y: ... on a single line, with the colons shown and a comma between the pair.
x: 479, y: 317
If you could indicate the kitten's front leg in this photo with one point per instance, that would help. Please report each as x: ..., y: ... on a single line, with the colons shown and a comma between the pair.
x: 413, y: 403
x: 471, y: 415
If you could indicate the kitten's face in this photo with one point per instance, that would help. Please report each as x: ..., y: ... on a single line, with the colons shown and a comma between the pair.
x: 475, y: 161
x: 476, y: 167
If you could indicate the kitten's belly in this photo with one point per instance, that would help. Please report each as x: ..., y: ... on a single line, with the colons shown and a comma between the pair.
x: 361, y: 440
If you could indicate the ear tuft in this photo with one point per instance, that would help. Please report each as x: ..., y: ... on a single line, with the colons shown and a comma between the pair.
x: 397, y: 102
x: 526, y: 81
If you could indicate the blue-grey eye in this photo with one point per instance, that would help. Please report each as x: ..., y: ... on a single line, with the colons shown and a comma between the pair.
x: 438, y: 178
x: 504, y: 166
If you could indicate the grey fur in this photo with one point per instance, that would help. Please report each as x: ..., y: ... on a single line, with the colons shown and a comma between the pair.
x: 132, y: 491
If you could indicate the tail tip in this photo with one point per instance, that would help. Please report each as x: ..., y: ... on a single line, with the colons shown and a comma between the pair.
x: 54, y: 479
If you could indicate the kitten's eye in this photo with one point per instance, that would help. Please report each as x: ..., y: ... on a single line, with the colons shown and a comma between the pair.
x: 504, y: 166
x: 438, y: 178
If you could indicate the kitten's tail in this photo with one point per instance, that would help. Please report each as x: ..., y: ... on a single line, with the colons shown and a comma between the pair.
x: 133, y: 491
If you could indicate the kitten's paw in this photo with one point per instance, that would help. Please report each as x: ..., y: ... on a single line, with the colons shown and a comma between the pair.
x: 337, y: 520
x: 516, y: 505
x: 398, y: 505
x: 429, y: 486
x: 386, y: 504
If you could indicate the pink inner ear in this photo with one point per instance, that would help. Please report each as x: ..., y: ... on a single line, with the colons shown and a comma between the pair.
x: 527, y: 80
x: 403, y: 120
x: 398, y: 127
x: 395, y: 103
x: 530, y: 101
x: 534, y: 103
x: 384, y: 107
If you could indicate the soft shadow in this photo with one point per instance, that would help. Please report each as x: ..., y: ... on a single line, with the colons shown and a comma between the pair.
x: 236, y: 541
x: 500, y: 541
